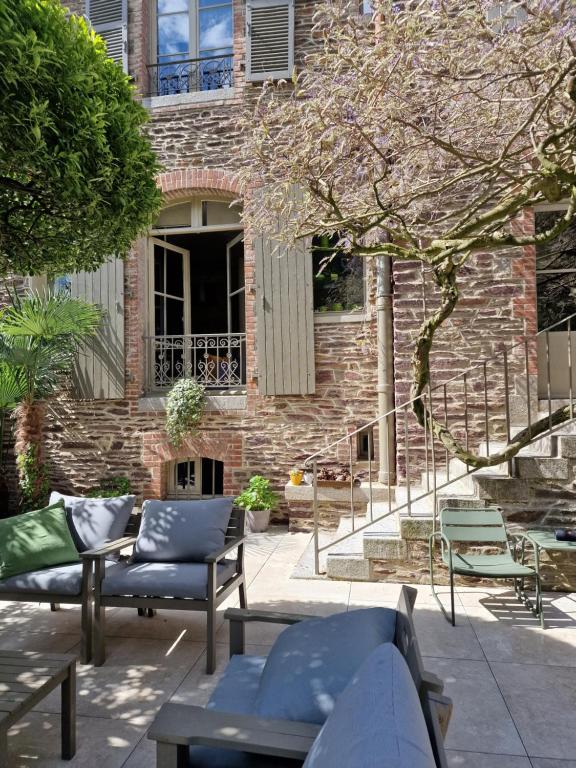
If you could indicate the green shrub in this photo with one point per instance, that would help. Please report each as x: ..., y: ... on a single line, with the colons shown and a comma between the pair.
x: 184, y: 410
x: 113, y: 486
x: 257, y: 496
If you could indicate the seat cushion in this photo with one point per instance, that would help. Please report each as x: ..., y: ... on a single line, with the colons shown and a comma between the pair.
x: 59, y: 580
x: 163, y: 579
x: 35, y: 540
x: 312, y: 662
x: 502, y: 565
x: 238, y: 687
x: 94, y: 521
x: 182, y: 531
x: 377, y: 721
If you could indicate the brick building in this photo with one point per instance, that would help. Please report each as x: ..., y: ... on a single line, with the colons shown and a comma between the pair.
x: 289, y: 358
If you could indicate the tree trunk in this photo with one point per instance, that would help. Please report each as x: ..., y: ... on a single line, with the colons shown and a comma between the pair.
x: 29, y: 451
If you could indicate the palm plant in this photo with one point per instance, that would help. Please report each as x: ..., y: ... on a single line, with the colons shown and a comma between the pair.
x: 39, y: 339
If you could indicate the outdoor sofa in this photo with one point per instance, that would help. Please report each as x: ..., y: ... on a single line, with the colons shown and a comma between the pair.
x: 345, y: 691
x: 182, y: 559
x: 90, y: 522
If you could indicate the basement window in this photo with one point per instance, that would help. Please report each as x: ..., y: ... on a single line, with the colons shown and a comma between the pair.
x: 196, y: 478
x: 365, y: 445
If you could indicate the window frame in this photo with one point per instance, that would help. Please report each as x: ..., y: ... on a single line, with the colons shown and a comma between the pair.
x: 548, y: 208
x: 193, y: 11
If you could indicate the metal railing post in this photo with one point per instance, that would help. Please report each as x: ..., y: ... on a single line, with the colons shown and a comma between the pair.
x: 316, y: 516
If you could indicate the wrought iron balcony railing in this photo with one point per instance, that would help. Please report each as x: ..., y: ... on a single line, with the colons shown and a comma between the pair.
x: 210, y: 73
x: 217, y: 360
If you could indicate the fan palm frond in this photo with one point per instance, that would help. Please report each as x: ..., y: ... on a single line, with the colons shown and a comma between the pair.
x: 12, y: 386
x: 51, y: 317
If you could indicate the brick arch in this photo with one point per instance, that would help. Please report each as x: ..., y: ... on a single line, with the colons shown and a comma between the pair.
x: 176, y: 185
x: 158, y: 453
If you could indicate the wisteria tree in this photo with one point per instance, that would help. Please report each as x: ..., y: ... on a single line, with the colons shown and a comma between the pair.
x: 421, y: 133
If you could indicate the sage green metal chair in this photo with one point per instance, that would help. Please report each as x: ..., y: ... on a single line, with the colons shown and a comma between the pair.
x: 481, y: 527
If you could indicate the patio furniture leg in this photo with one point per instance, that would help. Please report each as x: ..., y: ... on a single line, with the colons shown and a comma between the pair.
x: 211, y: 639
x: 171, y: 755
x: 86, y: 614
x: 54, y: 606
x: 242, y: 593
x: 98, y: 619
x: 432, y: 585
x: 3, y: 748
x: 452, y: 597
x: 68, y: 714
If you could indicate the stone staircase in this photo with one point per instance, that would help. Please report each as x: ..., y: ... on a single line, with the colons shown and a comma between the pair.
x: 541, y: 490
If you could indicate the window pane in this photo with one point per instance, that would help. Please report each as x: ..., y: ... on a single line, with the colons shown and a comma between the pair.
x: 174, y: 274
x: 174, y: 317
x: 173, y: 36
x: 159, y: 316
x: 338, y: 278
x: 172, y: 6
x: 559, y: 253
x: 556, y: 297
x: 215, y: 25
x: 159, y: 268
x: 214, y: 213
x: 182, y: 475
x: 175, y: 216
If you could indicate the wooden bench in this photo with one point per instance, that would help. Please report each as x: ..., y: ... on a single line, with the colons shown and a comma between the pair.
x: 27, y: 677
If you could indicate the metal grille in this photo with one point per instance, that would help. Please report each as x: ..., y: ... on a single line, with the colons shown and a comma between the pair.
x: 210, y: 73
x: 217, y: 361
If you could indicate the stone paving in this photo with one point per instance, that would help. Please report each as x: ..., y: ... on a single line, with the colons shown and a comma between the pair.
x: 513, y: 685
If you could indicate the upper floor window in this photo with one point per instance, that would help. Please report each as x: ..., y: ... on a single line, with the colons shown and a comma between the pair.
x: 192, y: 46
x: 555, y: 271
x: 338, y: 277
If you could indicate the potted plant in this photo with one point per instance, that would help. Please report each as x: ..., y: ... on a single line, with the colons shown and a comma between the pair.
x: 258, y: 500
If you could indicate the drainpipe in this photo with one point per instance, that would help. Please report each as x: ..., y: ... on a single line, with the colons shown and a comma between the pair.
x: 385, y: 347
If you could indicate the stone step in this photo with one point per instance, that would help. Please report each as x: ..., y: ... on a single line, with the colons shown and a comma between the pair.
x: 537, y: 467
x: 348, y: 567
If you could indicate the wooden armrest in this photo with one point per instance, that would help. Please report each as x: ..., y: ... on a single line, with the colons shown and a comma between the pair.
x: 432, y: 682
x: 245, y: 615
x: 186, y: 725
x: 109, y: 548
x: 443, y: 707
x: 214, y: 557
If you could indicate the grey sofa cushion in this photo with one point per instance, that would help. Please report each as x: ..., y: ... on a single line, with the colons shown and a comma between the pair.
x: 377, y: 722
x: 182, y: 531
x: 237, y: 688
x: 163, y: 579
x: 58, y: 579
x: 94, y: 521
x: 312, y: 662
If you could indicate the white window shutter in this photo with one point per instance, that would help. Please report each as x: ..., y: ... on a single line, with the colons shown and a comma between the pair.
x: 269, y: 39
x: 109, y: 18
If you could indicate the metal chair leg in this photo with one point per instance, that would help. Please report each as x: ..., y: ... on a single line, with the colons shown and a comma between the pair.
x: 452, y: 598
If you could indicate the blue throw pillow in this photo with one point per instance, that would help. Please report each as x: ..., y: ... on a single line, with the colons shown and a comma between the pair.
x: 312, y: 662
x: 377, y: 722
x: 95, y: 521
x: 182, y: 531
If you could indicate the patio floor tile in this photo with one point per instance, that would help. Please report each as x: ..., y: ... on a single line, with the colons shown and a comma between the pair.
x: 458, y: 759
x: 542, y: 701
x: 480, y: 719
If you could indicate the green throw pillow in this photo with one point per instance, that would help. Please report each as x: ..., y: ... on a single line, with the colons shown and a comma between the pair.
x: 35, y: 540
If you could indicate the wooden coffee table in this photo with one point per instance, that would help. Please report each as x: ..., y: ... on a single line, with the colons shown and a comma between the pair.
x: 26, y: 677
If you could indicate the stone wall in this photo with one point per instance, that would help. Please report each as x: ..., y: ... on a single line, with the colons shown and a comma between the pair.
x: 496, y: 309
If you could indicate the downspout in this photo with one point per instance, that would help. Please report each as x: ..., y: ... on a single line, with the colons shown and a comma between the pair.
x: 385, y: 348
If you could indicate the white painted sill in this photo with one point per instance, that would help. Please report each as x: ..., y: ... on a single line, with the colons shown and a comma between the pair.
x: 196, y: 97
x: 324, y: 318
x: 157, y: 403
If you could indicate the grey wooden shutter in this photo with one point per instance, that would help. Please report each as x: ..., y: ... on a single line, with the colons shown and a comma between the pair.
x: 109, y: 18
x: 99, y: 372
x: 284, y: 318
x: 269, y: 39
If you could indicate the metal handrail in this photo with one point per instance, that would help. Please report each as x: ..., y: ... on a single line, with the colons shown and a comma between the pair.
x: 431, y: 400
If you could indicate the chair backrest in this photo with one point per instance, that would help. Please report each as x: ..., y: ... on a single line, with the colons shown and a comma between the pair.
x: 407, y: 643
x: 236, y: 524
x: 483, y: 525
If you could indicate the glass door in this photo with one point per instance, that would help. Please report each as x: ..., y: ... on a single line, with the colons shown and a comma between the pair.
x: 169, y: 340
